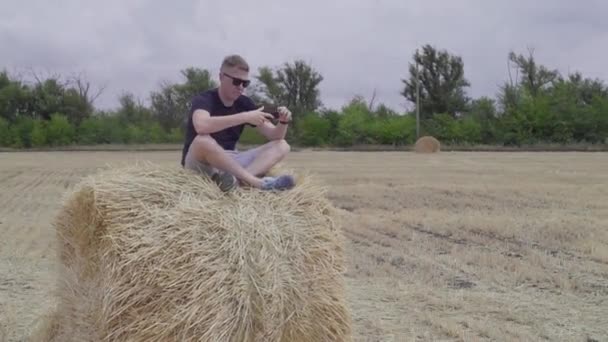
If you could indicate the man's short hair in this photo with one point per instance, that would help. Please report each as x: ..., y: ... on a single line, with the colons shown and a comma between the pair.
x: 233, y: 61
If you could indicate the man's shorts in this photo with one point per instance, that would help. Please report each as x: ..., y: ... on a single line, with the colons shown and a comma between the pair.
x: 244, y: 158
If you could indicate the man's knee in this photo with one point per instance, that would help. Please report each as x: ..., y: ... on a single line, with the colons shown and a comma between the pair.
x: 283, y: 146
x: 203, y: 147
x: 204, y: 143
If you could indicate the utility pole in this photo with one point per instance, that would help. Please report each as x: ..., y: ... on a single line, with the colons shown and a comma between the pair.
x: 417, y: 98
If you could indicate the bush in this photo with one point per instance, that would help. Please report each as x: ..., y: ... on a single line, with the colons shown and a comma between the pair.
x: 314, y: 130
x: 393, y: 130
x: 440, y: 126
x: 113, y: 131
x: 60, y: 131
x: 39, y: 133
x: 5, y: 133
x: 250, y: 136
x: 465, y: 131
x: 353, y: 125
x: 135, y: 134
x: 176, y: 135
x: 599, y: 116
x: 154, y: 133
x: 333, y: 117
x: 21, y: 132
x: 90, y: 131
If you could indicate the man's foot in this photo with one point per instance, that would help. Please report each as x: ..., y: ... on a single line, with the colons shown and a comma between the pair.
x: 225, y: 181
x: 284, y: 182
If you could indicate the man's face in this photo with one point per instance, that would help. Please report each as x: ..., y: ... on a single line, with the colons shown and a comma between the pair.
x: 234, y: 81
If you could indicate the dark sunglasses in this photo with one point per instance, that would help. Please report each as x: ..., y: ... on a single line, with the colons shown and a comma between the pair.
x: 237, y: 81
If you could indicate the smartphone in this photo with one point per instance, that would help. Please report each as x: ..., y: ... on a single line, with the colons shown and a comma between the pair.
x: 271, y: 109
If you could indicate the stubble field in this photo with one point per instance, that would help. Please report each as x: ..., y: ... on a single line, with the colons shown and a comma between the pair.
x: 452, y: 246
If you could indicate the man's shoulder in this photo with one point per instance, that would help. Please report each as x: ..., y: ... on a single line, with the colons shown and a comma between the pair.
x: 204, y: 100
x: 206, y: 95
x: 245, y: 102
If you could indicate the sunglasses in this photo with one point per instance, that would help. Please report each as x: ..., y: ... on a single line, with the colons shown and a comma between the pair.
x: 237, y: 81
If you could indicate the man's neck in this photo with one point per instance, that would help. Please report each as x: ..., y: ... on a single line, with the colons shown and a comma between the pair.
x: 224, y: 98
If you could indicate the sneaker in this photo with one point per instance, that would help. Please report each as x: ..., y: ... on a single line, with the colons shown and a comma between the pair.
x: 284, y: 182
x: 225, y: 181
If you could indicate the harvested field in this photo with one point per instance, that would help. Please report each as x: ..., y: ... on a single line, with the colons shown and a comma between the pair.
x: 450, y: 246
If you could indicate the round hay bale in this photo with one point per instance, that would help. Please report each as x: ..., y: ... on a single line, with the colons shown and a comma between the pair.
x: 150, y: 253
x: 427, y: 144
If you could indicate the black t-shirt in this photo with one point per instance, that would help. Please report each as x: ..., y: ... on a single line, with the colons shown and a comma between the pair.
x: 210, y: 101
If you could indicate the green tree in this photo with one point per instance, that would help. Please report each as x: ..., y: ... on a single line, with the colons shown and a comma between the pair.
x: 466, y: 130
x: 39, y: 133
x: 74, y: 106
x: 15, y: 98
x: 441, y: 126
x: 393, y: 130
x: 176, y: 135
x: 131, y: 111
x: 90, y: 131
x: 60, y: 131
x: 483, y: 111
x: 509, y: 97
x: 333, y: 117
x: 5, y: 137
x: 574, y: 101
x: 534, y: 77
x: 154, y: 133
x: 47, y: 96
x: 54, y: 95
x: 295, y: 86
x: 21, y: 132
x: 171, y: 104
x: 196, y: 81
x: 599, y: 116
x: 353, y: 127
x: 543, y: 106
x: 585, y: 89
x: 268, y: 90
x: 135, y: 134
x: 442, y: 82
x: 112, y: 129
x: 86, y: 94
x: 382, y: 111
x: 314, y: 130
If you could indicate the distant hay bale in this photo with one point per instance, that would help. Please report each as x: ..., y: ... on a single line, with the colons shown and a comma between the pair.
x: 149, y: 253
x: 427, y: 144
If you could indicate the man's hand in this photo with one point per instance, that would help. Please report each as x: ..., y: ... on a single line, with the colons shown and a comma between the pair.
x: 284, y: 114
x: 278, y: 131
x: 257, y: 117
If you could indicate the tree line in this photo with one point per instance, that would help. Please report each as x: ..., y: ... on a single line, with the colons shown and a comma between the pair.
x: 535, y: 105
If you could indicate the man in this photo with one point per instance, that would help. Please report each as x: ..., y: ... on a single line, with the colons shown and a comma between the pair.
x: 217, y: 119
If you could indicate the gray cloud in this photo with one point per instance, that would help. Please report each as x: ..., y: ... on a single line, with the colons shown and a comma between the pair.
x: 358, y: 45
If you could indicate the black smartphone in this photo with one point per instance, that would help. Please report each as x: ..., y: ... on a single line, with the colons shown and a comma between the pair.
x: 271, y: 109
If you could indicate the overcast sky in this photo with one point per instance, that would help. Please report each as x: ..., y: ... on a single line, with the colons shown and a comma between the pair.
x: 357, y: 45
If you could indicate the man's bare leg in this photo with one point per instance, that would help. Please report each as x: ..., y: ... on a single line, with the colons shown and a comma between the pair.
x: 205, y: 148
x: 269, y: 155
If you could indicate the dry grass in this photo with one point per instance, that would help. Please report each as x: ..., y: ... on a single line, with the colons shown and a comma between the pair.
x: 449, y: 246
x: 151, y: 253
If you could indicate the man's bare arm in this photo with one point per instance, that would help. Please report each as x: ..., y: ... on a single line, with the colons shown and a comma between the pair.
x: 207, y: 124
x: 279, y: 131
x: 273, y: 132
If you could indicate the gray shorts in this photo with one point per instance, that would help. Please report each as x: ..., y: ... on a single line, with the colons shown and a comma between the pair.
x: 244, y: 158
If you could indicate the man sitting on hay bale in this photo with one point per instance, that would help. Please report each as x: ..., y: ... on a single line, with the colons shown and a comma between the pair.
x: 217, y: 119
